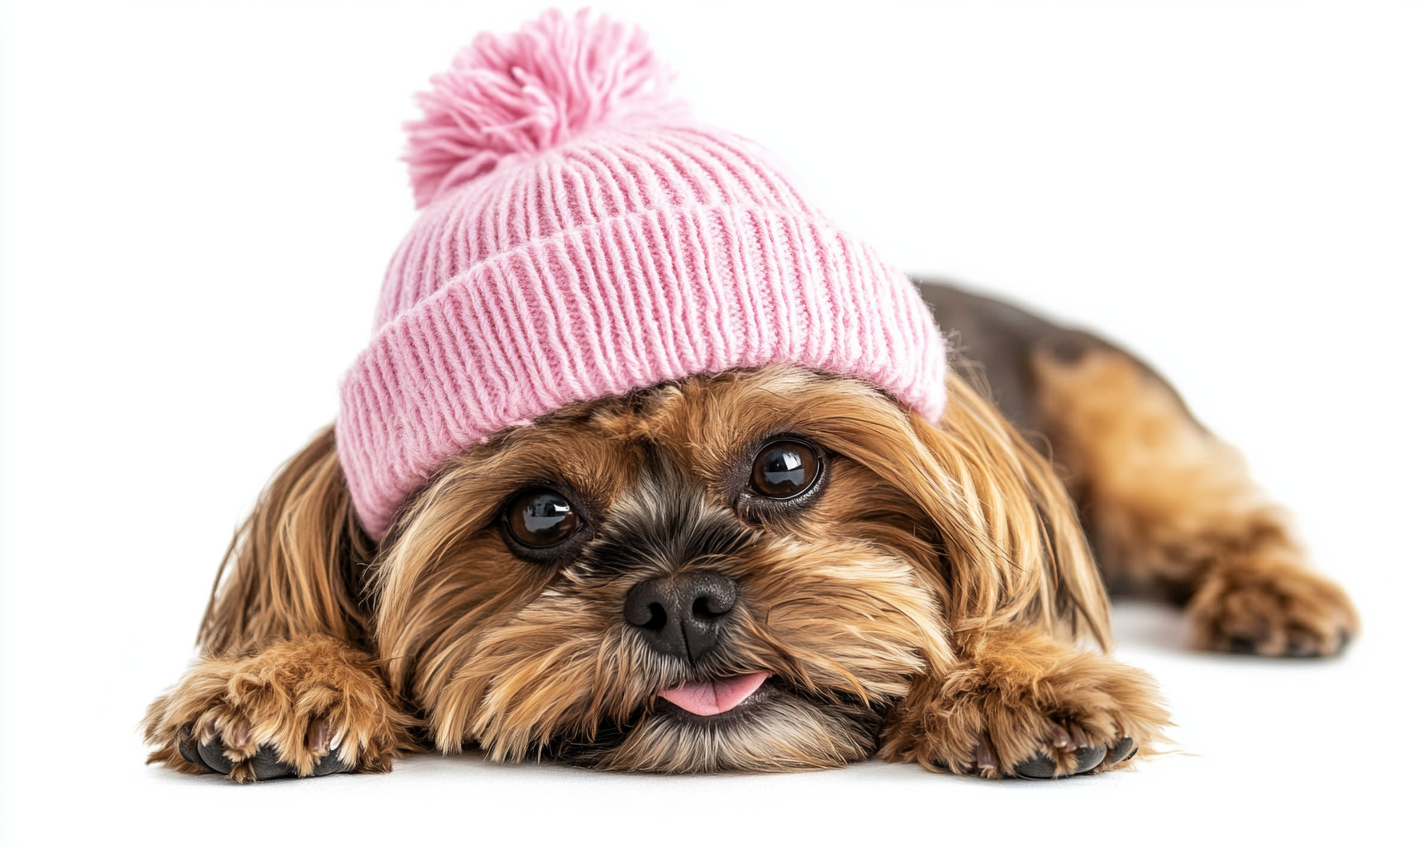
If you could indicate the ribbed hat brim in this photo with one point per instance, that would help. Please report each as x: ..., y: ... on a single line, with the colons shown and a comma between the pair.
x: 628, y: 302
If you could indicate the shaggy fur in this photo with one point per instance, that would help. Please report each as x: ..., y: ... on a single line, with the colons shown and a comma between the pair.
x: 931, y: 600
x: 1174, y: 511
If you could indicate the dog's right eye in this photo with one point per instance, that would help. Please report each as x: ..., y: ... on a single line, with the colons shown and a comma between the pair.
x: 785, y: 469
x: 541, y: 518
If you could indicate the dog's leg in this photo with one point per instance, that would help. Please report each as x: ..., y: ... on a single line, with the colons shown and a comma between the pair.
x: 1171, y: 508
x: 287, y: 683
x: 305, y: 707
x: 1022, y: 704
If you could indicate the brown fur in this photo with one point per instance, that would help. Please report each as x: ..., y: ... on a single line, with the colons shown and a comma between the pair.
x: 1172, y: 509
x: 292, y: 563
x: 935, y: 554
x: 930, y: 603
x: 498, y: 654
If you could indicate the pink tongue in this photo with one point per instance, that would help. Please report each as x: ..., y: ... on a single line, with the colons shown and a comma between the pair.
x: 717, y: 696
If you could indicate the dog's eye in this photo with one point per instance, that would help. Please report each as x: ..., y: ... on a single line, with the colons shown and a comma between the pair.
x: 785, y: 469
x: 541, y: 518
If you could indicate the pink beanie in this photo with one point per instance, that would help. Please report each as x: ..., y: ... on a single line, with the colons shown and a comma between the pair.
x: 582, y: 237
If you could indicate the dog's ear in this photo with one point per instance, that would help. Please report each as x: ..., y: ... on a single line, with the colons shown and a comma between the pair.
x: 1016, y: 553
x: 293, y: 567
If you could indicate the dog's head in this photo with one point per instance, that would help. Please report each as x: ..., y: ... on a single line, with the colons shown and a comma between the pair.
x: 743, y: 571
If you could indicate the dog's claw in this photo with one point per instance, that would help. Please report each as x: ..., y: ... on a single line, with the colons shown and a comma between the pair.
x: 1086, y: 756
x: 1090, y: 758
x: 264, y: 764
x: 212, y: 755
x: 1123, y: 750
x: 189, y: 751
x: 984, y: 758
x: 329, y: 764
x: 1041, y: 767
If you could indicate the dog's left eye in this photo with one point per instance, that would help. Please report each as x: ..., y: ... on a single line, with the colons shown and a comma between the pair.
x: 541, y: 518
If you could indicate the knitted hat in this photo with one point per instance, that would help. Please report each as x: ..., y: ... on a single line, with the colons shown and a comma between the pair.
x: 582, y: 237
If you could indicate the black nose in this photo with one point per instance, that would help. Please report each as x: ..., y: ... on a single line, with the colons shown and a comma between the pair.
x: 681, y: 615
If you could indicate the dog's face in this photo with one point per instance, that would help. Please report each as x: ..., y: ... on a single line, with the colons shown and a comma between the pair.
x: 743, y: 572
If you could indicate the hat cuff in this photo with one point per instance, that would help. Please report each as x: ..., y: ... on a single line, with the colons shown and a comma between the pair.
x: 625, y: 303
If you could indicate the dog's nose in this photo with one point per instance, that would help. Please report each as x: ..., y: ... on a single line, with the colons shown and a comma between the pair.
x: 681, y: 615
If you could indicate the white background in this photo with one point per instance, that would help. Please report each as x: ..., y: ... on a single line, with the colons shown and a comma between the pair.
x: 197, y: 201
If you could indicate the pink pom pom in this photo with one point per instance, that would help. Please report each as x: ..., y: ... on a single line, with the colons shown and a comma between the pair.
x: 528, y: 91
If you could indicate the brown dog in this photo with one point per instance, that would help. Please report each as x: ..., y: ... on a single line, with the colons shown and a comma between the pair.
x: 760, y: 570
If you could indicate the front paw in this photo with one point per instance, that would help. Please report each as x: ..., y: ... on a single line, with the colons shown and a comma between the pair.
x: 1069, y: 752
x: 1273, y: 608
x: 304, y: 708
x: 236, y: 756
x: 1023, y: 705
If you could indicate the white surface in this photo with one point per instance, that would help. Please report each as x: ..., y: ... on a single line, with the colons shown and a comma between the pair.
x: 198, y: 201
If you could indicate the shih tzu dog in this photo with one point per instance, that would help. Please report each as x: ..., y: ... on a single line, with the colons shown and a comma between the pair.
x: 649, y: 466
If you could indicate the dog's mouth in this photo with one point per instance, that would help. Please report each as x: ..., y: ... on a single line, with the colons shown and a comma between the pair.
x: 715, y: 696
x: 733, y: 722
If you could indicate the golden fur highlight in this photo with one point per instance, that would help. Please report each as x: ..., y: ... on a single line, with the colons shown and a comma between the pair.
x: 1016, y: 526
x: 290, y: 563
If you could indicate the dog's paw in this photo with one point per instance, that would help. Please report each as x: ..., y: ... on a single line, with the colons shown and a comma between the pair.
x: 1036, y: 746
x: 1024, y: 705
x: 217, y: 754
x: 303, y: 708
x: 1070, y: 751
x: 1275, y: 610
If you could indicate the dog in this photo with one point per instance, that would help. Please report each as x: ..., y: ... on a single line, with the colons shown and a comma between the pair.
x: 651, y: 468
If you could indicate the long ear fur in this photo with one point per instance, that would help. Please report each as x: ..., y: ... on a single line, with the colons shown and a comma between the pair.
x: 1018, y: 556
x: 293, y: 565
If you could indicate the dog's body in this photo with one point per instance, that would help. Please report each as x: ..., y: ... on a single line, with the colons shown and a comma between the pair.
x: 771, y: 569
